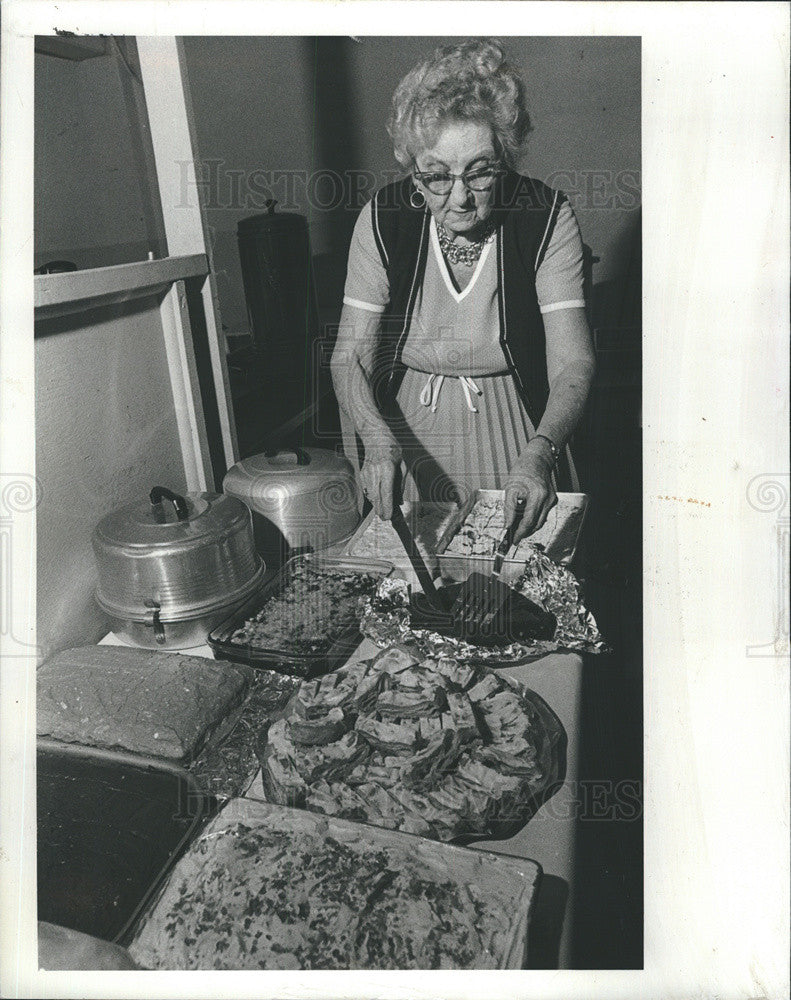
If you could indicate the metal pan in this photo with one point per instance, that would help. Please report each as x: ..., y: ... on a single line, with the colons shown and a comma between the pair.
x: 559, y: 537
x: 505, y: 885
x: 110, y: 827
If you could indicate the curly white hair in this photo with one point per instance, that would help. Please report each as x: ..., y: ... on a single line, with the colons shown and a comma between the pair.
x: 471, y: 81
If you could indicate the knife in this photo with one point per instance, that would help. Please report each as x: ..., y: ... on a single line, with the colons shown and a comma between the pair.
x: 508, y: 537
x: 434, y: 595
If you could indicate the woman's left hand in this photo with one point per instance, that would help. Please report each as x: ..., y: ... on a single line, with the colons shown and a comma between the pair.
x: 530, y: 480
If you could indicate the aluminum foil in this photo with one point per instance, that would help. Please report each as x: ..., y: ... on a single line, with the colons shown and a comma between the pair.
x: 227, y: 769
x: 386, y: 618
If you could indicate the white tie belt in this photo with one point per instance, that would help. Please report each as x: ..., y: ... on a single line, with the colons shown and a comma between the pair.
x: 430, y: 394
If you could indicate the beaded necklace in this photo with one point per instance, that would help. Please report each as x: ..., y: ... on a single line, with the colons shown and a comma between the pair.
x: 468, y: 255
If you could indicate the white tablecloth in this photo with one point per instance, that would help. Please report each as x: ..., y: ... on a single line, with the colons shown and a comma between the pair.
x: 549, y: 837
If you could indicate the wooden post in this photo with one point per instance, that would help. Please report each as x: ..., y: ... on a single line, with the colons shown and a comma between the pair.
x: 186, y: 392
x: 162, y: 67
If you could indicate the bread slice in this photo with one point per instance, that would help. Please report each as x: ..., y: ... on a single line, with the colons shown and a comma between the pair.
x: 142, y: 701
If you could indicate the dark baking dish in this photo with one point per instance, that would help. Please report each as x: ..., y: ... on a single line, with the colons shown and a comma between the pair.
x: 284, y: 660
x: 110, y: 826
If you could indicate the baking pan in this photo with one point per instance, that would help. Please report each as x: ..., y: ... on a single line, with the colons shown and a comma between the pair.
x: 559, y: 537
x: 429, y: 523
x: 146, y: 689
x: 110, y: 826
x: 244, y: 919
x: 284, y: 660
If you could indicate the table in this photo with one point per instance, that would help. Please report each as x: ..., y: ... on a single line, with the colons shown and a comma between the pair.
x: 549, y: 837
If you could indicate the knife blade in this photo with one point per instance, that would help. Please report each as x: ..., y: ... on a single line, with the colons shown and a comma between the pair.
x: 508, y: 538
x: 433, y: 594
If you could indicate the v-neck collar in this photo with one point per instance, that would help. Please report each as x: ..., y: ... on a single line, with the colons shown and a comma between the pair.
x: 445, y: 270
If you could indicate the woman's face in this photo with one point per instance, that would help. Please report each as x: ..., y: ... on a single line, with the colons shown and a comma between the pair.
x: 458, y: 148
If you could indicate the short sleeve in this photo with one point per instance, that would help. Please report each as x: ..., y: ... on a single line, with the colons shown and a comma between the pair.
x: 367, y: 286
x: 559, y: 275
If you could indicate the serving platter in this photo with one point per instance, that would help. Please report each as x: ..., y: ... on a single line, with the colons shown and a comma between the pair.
x: 451, y: 784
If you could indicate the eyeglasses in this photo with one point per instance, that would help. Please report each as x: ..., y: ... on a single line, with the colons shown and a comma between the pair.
x: 442, y: 183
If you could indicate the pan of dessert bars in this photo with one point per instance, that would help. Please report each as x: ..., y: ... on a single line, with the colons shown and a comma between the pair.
x: 469, y: 541
x: 270, y: 887
x: 305, y: 621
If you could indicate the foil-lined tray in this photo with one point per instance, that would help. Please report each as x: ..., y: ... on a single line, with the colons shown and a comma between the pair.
x: 386, y: 617
x: 227, y: 768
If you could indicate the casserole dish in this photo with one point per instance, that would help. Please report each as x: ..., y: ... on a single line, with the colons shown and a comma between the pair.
x: 297, y: 605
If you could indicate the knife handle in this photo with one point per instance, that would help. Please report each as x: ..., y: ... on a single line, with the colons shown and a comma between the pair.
x: 508, y: 537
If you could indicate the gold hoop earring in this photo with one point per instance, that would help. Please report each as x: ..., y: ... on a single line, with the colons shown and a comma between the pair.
x: 417, y: 204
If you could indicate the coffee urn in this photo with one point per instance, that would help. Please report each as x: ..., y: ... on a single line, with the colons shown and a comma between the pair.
x: 279, y: 288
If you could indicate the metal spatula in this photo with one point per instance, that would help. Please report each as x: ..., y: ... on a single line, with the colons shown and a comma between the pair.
x: 483, y: 610
x: 481, y: 600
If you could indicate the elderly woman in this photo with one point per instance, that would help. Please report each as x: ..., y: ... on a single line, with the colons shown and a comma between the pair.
x: 464, y: 357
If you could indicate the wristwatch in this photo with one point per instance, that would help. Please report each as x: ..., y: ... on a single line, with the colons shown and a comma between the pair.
x: 552, y: 446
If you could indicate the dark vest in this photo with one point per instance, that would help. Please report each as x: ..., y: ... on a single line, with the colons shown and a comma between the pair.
x: 527, y: 211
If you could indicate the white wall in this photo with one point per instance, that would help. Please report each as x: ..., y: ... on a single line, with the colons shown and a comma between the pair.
x: 95, y: 203
x: 105, y: 434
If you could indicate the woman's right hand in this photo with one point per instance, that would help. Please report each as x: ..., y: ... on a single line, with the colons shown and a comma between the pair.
x: 379, y: 476
x: 352, y: 360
